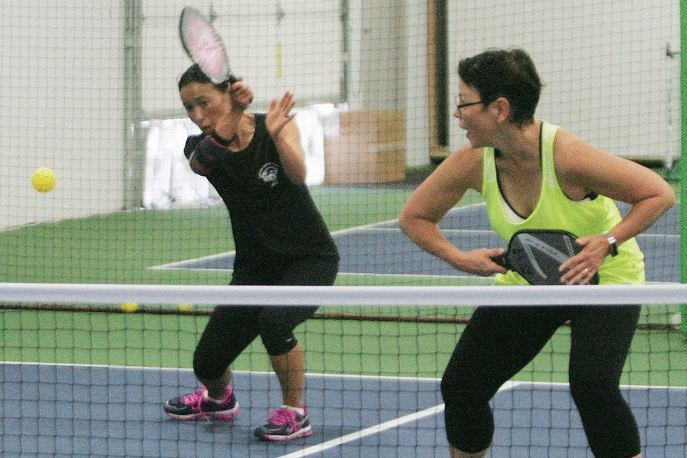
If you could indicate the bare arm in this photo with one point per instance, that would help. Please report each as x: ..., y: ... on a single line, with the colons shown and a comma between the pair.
x: 286, y: 137
x: 582, y: 169
x: 421, y: 214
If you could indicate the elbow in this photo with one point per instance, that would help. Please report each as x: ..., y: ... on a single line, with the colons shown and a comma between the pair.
x: 662, y: 201
x: 667, y: 197
x: 670, y: 199
x: 405, y: 222
x: 403, y: 225
x: 411, y: 221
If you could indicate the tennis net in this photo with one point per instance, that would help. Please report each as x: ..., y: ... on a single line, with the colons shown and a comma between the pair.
x: 105, y: 279
x: 85, y: 371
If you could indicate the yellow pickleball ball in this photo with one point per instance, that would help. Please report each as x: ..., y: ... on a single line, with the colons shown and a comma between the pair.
x: 129, y: 307
x: 43, y: 179
x: 185, y: 308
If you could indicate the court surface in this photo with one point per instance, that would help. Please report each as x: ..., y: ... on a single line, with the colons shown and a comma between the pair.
x: 46, y: 412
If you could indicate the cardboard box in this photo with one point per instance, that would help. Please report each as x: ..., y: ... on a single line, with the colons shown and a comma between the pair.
x: 369, y: 148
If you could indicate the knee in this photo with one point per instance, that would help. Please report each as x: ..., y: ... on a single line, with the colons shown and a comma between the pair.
x: 459, y: 392
x: 468, y: 417
x: 276, y: 338
x: 276, y: 328
x: 607, y: 419
x: 278, y: 345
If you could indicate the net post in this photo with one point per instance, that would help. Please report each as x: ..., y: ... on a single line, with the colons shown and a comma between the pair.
x: 683, y: 148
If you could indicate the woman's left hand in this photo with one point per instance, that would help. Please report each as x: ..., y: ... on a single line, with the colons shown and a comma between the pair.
x: 580, y: 268
x: 279, y: 114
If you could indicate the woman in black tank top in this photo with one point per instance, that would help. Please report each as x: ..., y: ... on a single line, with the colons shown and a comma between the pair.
x: 256, y: 164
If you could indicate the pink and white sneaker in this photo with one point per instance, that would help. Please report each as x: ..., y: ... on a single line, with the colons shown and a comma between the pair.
x: 284, y: 424
x: 198, y: 405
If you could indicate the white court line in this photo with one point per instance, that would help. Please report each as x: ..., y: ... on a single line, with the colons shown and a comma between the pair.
x: 377, y: 428
x: 658, y: 236
x: 366, y: 432
x: 485, y: 280
x: 397, y: 230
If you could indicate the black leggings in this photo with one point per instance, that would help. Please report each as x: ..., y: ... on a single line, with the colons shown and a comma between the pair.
x: 500, y: 341
x: 232, y: 328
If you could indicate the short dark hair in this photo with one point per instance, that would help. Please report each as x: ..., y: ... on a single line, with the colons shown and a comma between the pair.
x: 505, y: 73
x: 194, y: 74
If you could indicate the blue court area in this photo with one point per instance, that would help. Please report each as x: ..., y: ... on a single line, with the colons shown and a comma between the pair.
x: 383, y: 250
x: 64, y: 410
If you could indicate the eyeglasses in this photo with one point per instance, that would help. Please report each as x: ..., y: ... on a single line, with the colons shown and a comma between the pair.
x: 460, y: 106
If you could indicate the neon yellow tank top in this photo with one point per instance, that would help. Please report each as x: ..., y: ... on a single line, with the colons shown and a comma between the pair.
x: 555, y: 211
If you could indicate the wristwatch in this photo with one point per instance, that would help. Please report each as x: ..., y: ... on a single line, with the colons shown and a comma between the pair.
x: 612, y: 243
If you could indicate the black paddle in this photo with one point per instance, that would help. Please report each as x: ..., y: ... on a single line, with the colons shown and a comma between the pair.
x: 536, y: 254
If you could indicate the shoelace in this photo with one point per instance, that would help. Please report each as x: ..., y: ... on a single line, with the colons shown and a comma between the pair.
x: 194, y: 400
x: 281, y: 417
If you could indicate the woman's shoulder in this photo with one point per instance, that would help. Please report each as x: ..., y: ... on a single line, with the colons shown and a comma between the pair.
x: 569, y: 149
x: 192, y: 142
x: 467, y: 155
x: 576, y: 161
x: 464, y: 167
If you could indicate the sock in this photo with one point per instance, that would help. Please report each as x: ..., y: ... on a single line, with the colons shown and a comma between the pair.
x: 299, y: 410
x: 216, y: 401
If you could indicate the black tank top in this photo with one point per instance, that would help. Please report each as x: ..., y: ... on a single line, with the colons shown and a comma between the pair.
x: 268, y: 212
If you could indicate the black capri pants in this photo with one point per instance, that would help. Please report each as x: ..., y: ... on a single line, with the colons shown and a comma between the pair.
x: 500, y: 341
x: 232, y: 328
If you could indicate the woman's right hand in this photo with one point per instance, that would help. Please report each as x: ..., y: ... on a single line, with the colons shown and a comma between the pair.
x: 241, y: 95
x: 481, y: 262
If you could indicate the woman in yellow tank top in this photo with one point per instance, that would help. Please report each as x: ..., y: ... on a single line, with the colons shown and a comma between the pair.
x: 535, y: 175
